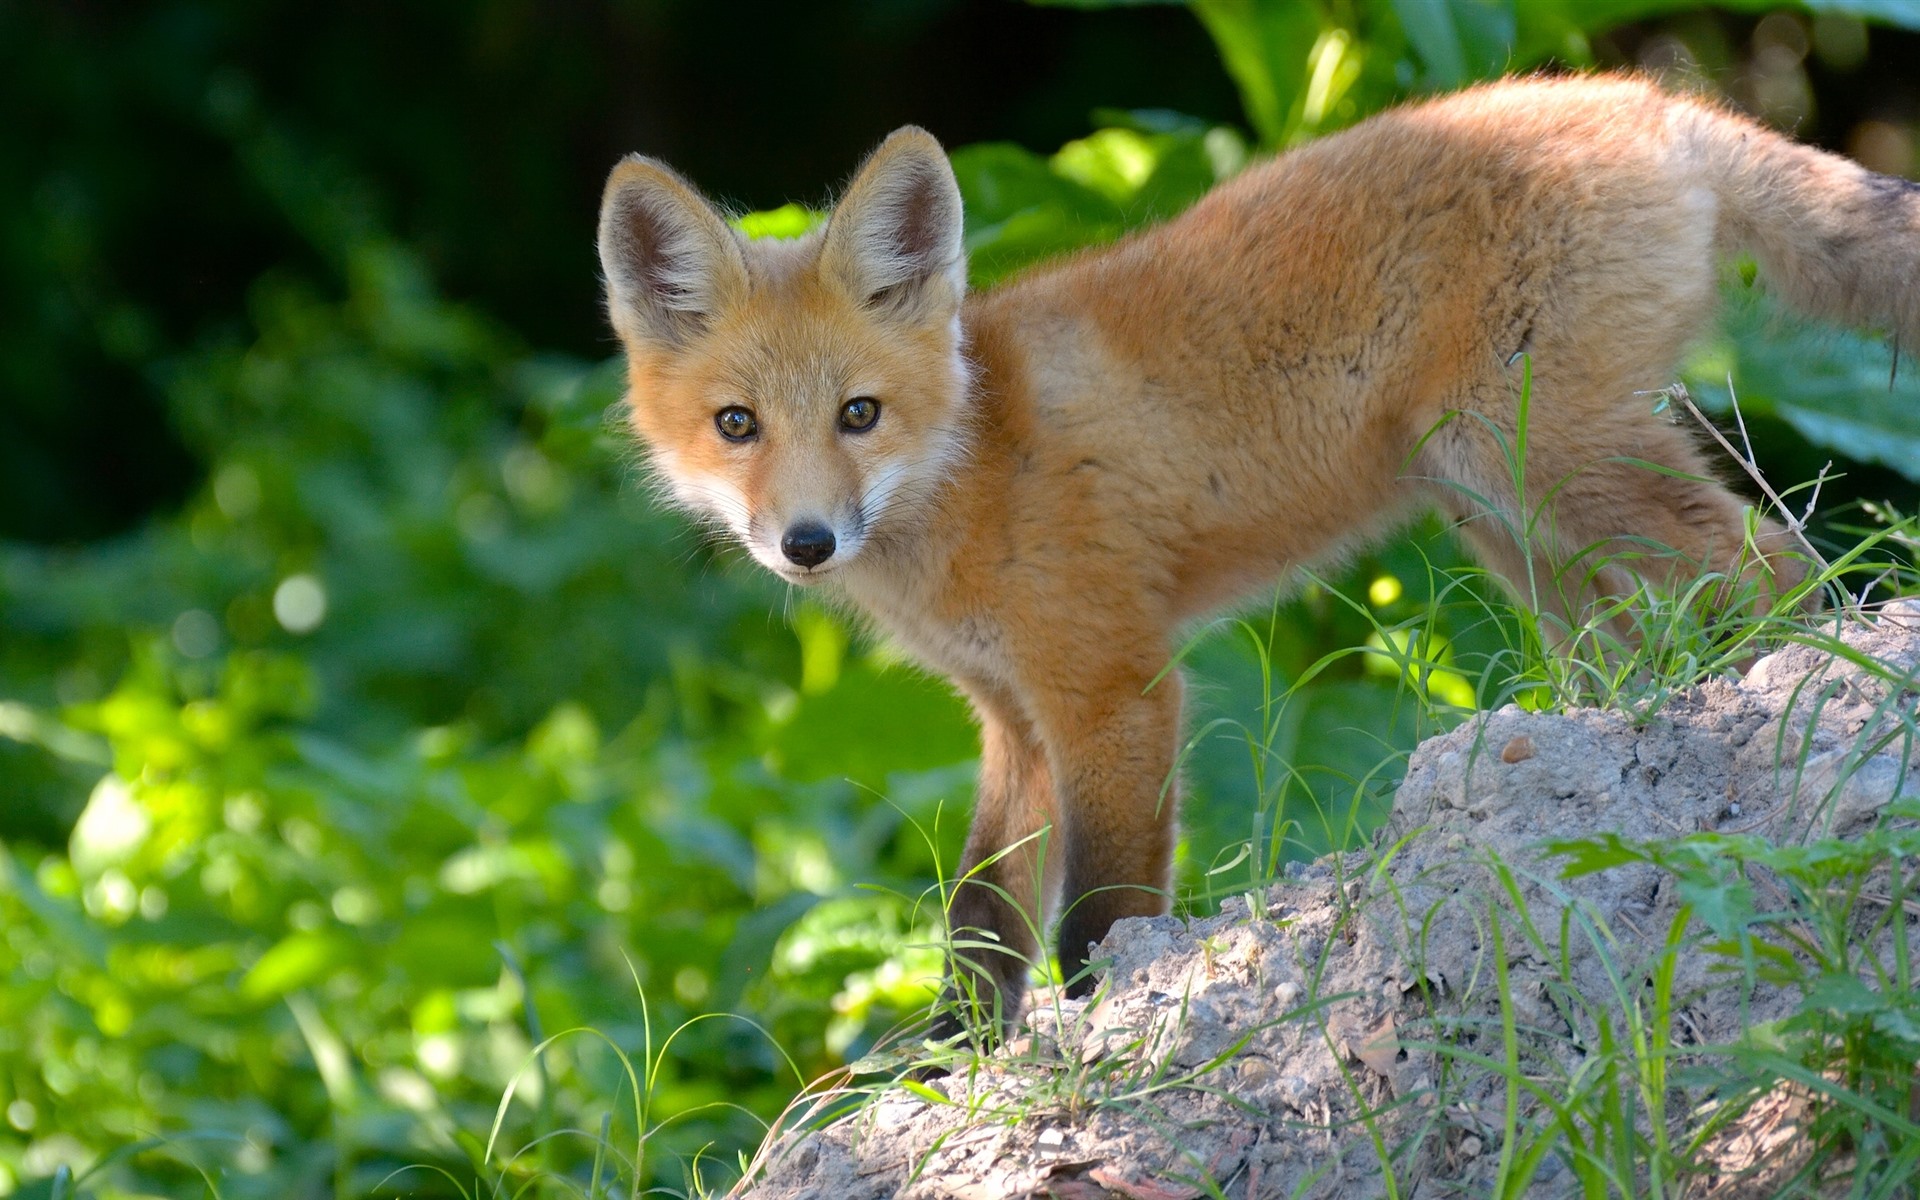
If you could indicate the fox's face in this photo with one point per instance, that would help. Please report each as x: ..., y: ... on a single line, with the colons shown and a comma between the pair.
x: 809, y: 395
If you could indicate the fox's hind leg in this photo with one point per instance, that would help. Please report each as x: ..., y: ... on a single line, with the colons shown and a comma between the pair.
x: 1605, y: 498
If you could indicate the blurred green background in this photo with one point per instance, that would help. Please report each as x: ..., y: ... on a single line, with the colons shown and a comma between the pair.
x: 362, y: 723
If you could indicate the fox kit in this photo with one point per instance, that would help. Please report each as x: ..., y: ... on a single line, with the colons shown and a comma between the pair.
x: 1035, y: 488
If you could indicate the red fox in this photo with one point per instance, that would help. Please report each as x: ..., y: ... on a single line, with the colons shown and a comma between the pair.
x: 1034, y: 489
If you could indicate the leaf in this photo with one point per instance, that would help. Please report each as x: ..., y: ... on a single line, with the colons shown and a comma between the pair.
x: 1602, y: 852
x: 111, y: 829
x: 1021, y: 210
x: 1831, y: 385
x: 1378, y: 1048
x: 749, y: 953
x: 926, y: 1093
x: 1899, y: 1020
x: 1113, y: 162
x: 999, y: 180
x: 447, y: 946
x: 1187, y: 168
x: 787, y: 221
x: 1458, y: 40
x: 1265, y: 48
x: 996, y: 252
x: 870, y: 724
x: 1149, y: 175
x: 1722, y: 899
x: 297, y: 961
x: 1844, y: 995
x: 57, y: 1186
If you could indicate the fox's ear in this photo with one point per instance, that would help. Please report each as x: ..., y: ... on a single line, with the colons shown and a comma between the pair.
x: 894, y: 240
x: 670, y: 261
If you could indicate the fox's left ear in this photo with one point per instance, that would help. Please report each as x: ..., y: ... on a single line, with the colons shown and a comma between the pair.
x: 894, y: 240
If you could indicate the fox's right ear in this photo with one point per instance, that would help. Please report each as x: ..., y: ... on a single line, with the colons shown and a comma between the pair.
x: 669, y: 259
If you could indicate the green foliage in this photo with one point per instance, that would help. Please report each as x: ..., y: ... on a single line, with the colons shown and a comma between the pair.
x: 419, y: 732
x: 1834, y: 929
x: 1835, y: 388
x: 1312, y: 66
x: 1023, y: 208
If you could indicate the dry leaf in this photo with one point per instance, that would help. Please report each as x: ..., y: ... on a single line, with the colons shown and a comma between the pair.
x: 1380, y: 1050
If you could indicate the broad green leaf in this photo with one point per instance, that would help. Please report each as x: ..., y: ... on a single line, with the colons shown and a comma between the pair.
x: 1147, y: 166
x: 447, y: 946
x: 1560, y: 28
x: 1721, y: 898
x: 999, y: 179
x: 296, y: 961
x: 1601, y: 852
x: 1148, y: 176
x: 1844, y: 995
x: 1459, y: 40
x: 1021, y: 210
x: 1831, y: 385
x: 787, y: 221
x: 111, y: 828
x: 1186, y: 169
x: 1294, y: 61
x: 1266, y: 49
x: 748, y: 954
x: 871, y: 723
x: 1113, y: 162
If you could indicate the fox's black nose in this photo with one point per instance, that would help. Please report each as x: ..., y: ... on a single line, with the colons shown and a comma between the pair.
x: 808, y: 545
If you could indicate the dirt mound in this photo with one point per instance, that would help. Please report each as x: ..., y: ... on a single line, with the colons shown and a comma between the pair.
x: 1352, y: 1016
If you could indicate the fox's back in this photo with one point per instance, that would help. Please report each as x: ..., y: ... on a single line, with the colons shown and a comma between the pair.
x: 1409, y: 233
x: 1266, y: 362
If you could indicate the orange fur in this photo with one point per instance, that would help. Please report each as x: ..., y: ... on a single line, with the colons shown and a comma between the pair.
x: 1067, y: 469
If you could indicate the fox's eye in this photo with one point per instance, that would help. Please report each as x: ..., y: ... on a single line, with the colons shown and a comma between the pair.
x: 859, y: 413
x: 736, y: 423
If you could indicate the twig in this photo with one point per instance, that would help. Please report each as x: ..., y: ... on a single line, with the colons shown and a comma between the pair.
x: 1883, y: 899
x: 1797, y: 526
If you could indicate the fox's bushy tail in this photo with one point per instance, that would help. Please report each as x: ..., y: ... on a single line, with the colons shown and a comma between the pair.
x: 1832, y: 238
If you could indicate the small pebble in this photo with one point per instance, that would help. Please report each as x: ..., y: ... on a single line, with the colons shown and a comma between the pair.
x: 1520, y: 749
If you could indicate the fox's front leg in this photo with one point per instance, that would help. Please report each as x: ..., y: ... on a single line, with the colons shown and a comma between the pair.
x: 1113, y: 736
x: 999, y: 901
